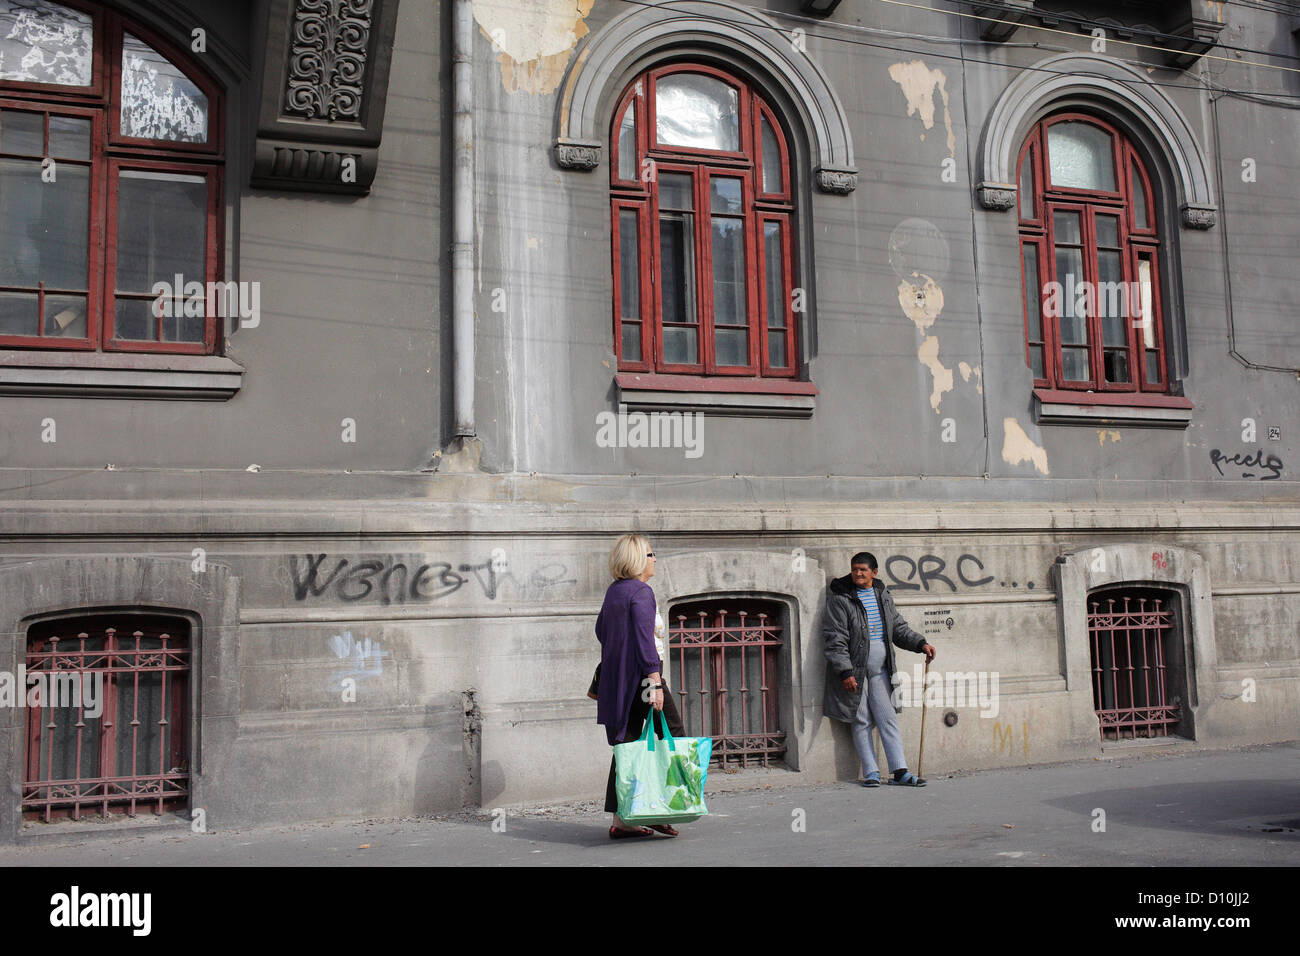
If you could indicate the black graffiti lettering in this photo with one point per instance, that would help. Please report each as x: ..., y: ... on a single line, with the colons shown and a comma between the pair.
x: 385, y: 595
x: 541, y: 580
x: 1247, y: 460
x: 360, y: 574
x: 304, y: 585
x: 448, y: 585
x: 928, y: 575
x: 490, y: 586
x: 961, y: 571
x: 911, y: 573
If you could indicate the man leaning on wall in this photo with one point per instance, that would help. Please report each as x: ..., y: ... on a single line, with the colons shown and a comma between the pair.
x: 860, y: 628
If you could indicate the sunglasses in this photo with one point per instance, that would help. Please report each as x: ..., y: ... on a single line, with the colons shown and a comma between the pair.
x: 649, y: 554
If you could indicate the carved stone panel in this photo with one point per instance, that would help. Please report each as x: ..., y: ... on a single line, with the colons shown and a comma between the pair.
x: 324, y: 86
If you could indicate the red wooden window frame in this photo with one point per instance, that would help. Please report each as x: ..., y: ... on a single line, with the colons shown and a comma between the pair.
x: 111, y: 151
x: 1037, y: 232
x: 641, y: 194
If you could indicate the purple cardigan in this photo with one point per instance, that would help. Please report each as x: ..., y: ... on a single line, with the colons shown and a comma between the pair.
x: 625, y: 628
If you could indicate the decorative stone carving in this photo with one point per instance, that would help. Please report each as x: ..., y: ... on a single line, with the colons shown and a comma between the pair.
x: 997, y: 196
x: 584, y: 156
x: 324, y: 85
x: 838, y: 181
x: 327, y: 59
x: 1197, y: 216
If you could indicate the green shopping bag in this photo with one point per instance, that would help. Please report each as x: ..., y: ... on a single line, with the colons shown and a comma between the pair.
x: 663, y: 784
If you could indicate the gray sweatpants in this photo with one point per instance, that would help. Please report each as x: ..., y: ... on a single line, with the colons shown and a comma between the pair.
x: 876, y: 709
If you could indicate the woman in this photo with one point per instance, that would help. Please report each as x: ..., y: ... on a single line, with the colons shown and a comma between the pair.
x: 631, y: 635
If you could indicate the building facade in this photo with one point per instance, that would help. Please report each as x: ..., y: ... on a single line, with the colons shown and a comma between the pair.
x: 340, y: 339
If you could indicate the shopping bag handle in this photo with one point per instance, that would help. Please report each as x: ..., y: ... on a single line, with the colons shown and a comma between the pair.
x: 648, y: 736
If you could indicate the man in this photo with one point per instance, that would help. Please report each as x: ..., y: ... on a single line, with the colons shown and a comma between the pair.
x: 860, y: 627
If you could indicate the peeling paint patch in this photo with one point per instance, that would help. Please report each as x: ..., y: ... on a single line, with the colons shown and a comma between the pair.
x: 928, y: 353
x: 1018, y: 447
x: 919, y: 84
x: 922, y: 301
x: 533, y: 39
x: 968, y: 370
x: 1104, y: 433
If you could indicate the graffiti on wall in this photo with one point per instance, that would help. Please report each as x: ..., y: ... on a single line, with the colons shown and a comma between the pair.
x: 906, y: 574
x: 1256, y: 463
x: 389, y: 579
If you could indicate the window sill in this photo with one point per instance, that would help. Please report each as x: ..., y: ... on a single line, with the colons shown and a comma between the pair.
x: 193, y: 378
x: 744, y: 397
x: 1142, y: 410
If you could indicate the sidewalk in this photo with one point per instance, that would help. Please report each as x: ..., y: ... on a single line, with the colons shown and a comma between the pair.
x: 1236, y: 807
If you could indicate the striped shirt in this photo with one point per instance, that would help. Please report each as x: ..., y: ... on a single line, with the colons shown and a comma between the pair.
x: 875, y: 626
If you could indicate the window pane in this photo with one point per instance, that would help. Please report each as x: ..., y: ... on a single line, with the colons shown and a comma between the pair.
x: 65, y: 315
x: 43, y: 42
x: 629, y: 262
x: 69, y: 137
x: 1112, y: 298
x: 44, y: 226
x: 729, y: 273
x: 771, y: 159
x: 1080, y: 156
x: 1033, y: 294
x: 22, y: 133
x: 698, y: 111
x: 680, y: 346
x: 675, y: 191
x: 1140, y: 215
x: 1036, y: 360
x: 161, y: 229
x: 732, y: 347
x: 774, y: 275
x: 19, y: 313
x: 1108, y: 231
x: 1065, y: 228
x: 1074, y: 365
x: 776, y: 349
x: 1116, y: 364
x: 1148, y: 324
x: 1026, y: 187
x: 1069, y: 273
x: 631, y: 342
x: 627, y: 143
x: 1153, y: 367
x: 725, y: 195
x: 136, y: 319
x: 158, y: 100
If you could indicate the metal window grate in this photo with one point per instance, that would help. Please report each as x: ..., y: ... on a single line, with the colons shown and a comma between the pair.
x: 136, y: 751
x: 1130, y: 686
x: 726, y: 660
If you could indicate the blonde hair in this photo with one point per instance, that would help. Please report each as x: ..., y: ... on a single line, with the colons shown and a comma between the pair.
x: 628, y: 559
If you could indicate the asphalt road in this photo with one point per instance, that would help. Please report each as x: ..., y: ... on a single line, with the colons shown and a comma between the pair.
x: 1195, y: 809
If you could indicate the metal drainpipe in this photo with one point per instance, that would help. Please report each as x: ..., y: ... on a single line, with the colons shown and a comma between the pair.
x: 462, y: 222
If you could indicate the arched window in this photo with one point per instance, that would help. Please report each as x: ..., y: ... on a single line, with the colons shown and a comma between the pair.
x: 110, y: 184
x: 1090, y: 247
x: 702, y: 217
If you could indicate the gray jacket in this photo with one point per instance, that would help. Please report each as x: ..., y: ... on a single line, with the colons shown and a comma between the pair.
x: 844, y: 632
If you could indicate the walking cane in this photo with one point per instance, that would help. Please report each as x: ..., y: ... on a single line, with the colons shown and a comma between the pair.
x: 921, y: 756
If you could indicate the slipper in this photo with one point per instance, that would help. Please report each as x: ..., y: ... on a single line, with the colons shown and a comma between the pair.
x: 663, y: 828
x: 636, y: 833
x: 908, y: 779
x: 873, y: 779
